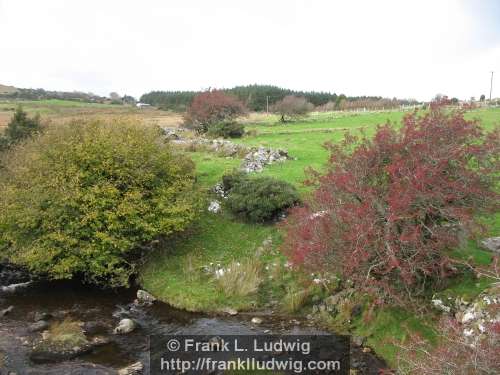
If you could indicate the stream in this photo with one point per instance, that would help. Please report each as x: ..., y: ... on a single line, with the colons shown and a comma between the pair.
x: 100, y: 311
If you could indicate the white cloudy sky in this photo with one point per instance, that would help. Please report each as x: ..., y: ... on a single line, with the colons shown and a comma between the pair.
x: 358, y: 47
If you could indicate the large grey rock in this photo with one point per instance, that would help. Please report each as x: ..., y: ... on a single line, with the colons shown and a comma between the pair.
x: 125, y: 326
x: 145, y: 297
x: 14, y: 287
x: 6, y: 311
x: 133, y: 369
x: 41, y: 325
x: 492, y: 244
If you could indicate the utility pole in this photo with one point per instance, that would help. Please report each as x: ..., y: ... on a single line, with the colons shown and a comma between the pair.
x: 491, y: 85
x: 267, y: 104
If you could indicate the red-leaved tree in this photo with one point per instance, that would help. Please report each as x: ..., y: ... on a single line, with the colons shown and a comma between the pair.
x: 212, y: 107
x: 389, y: 207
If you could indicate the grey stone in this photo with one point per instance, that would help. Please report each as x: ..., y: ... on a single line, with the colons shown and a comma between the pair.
x: 133, y: 369
x: 143, y: 296
x: 40, y: 315
x: 492, y: 244
x: 6, y: 311
x: 229, y: 311
x: 125, y: 326
x: 38, y: 326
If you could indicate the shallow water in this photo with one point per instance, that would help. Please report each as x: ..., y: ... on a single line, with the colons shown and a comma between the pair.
x: 103, y: 309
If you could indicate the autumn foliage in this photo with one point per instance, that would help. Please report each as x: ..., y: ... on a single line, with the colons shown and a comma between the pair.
x: 390, y: 206
x: 455, y: 354
x: 210, y: 108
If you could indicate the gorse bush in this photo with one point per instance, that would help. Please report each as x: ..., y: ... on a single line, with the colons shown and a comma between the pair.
x: 19, y: 128
x: 79, y: 199
x: 226, y: 130
x: 260, y: 199
x: 390, y: 207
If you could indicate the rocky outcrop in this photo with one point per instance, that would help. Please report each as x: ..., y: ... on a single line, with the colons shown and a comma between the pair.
x: 257, y: 159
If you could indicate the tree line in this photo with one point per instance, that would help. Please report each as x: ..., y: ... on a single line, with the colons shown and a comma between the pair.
x: 257, y: 98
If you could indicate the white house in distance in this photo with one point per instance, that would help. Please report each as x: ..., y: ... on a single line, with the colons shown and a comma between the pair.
x: 142, y: 105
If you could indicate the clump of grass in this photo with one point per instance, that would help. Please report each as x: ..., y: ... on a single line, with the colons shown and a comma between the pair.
x: 295, y: 298
x: 190, y: 270
x: 240, y: 279
x: 67, y: 334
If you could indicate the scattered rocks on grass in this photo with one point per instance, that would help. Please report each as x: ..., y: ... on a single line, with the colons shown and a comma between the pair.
x: 214, y: 206
x: 257, y: 159
x: 438, y: 304
x: 481, y: 313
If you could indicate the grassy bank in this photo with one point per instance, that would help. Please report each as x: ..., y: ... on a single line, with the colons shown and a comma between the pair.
x: 176, y: 273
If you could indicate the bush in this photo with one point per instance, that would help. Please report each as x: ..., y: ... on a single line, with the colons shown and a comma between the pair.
x: 260, y: 199
x: 292, y: 106
x: 389, y: 208
x: 81, y: 198
x: 455, y: 353
x: 19, y: 128
x: 232, y: 179
x: 212, y: 107
x: 227, y: 130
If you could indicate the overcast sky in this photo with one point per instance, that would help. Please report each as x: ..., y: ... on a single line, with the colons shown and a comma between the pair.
x: 407, y: 49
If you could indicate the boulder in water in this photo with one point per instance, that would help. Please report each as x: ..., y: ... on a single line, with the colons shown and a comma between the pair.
x: 125, y: 326
x: 41, y: 325
x: 12, y: 288
x: 6, y: 311
x: 133, y: 369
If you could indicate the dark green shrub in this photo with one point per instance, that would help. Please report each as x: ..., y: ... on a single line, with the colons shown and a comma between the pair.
x: 232, y: 179
x: 227, y: 130
x: 81, y: 198
x: 261, y: 199
x: 19, y: 128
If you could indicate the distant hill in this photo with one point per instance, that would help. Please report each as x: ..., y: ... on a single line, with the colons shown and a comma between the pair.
x: 7, y: 89
x: 11, y: 92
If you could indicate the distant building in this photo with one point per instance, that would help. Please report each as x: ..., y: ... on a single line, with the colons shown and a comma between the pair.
x: 142, y: 105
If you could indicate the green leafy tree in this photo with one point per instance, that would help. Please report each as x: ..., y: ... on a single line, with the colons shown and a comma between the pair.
x: 19, y: 128
x: 82, y: 198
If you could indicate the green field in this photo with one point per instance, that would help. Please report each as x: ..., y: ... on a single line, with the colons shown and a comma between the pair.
x: 175, y: 278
